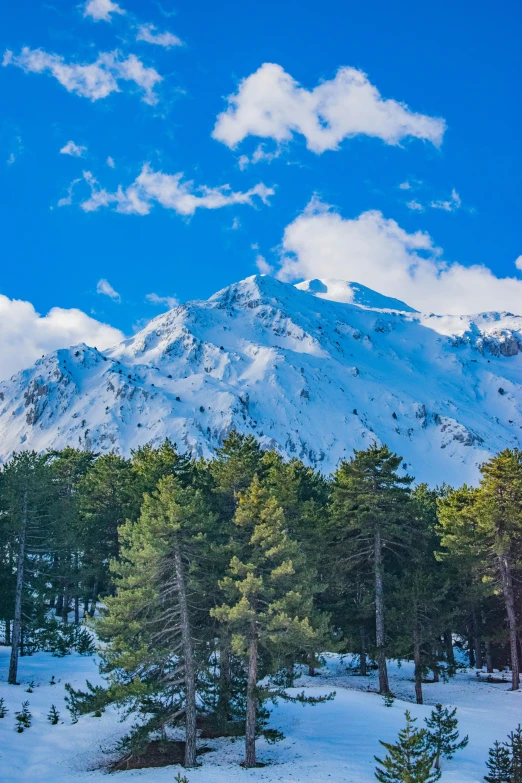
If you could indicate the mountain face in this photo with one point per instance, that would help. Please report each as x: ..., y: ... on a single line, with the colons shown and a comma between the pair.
x: 313, y: 370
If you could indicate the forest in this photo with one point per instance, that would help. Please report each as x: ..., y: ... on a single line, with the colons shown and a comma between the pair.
x: 211, y: 584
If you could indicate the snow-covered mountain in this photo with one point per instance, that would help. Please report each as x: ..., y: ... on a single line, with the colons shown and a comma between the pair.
x: 314, y: 370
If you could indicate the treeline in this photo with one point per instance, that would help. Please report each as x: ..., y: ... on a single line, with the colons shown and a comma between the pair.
x: 218, y: 579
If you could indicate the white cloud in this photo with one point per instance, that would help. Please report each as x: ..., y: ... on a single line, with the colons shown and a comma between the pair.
x: 518, y: 263
x: 104, y: 287
x: 66, y: 201
x: 95, y: 80
x: 378, y: 253
x: 75, y: 150
x: 147, y: 32
x: 110, y: 162
x: 152, y: 187
x: 450, y: 205
x: 168, y: 301
x: 405, y: 186
x: 271, y: 104
x: 26, y: 334
x: 18, y: 149
x: 415, y: 205
x: 11, y: 159
x: 264, y: 267
x: 236, y: 224
x: 258, y: 155
x: 101, y: 10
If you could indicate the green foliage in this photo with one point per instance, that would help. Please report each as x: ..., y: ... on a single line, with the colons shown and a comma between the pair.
x: 53, y: 715
x: 443, y: 734
x: 389, y: 698
x: 409, y: 760
x: 3, y: 708
x: 23, y: 718
x: 498, y: 764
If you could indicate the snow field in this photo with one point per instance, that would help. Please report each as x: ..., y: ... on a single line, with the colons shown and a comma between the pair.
x: 333, y: 742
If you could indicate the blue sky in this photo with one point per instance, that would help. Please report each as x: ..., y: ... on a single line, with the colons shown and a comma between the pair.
x: 438, y: 112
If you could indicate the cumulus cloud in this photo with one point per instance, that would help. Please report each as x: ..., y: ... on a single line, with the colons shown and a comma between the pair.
x: 104, y: 287
x: 518, y: 263
x: 26, y: 334
x: 75, y: 150
x: 170, y: 192
x: 147, y: 32
x: 167, y: 301
x: 271, y: 104
x: 101, y: 10
x: 259, y: 154
x: 264, y: 267
x: 375, y: 251
x: 94, y: 80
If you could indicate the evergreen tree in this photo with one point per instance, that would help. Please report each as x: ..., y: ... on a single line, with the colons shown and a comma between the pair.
x: 443, y: 733
x: 514, y: 746
x: 53, y: 716
x: 498, y: 764
x: 3, y: 708
x: 153, y: 622
x: 23, y: 718
x: 24, y: 510
x: 370, y: 515
x: 409, y: 760
x: 269, y: 594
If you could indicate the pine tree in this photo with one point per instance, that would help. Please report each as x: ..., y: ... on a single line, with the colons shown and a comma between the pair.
x: 443, y: 733
x: 24, y: 509
x: 370, y: 514
x: 3, y: 708
x: 154, y: 622
x: 409, y: 760
x: 23, y: 718
x: 514, y: 746
x: 498, y: 764
x: 53, y: 716
x: 269, y: 593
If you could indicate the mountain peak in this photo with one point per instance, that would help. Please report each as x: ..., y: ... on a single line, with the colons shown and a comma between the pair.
x: 353, y: 293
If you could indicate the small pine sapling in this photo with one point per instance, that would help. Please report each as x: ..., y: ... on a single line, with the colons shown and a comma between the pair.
x: 179, y: 779
x: 23, y: 718
x: 54, y: 716
x: 30, y: 688
x: 443, y: 734
x: 514, y: 746
x: 389, y: 698
x: 3, y: 708
x: 84, y: 643
x: 53, y: 681
x: 498, y: 764
x: 409, y: 760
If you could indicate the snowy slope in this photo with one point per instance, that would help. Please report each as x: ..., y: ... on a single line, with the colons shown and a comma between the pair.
x: 334, y: 742
x: 309, y: 375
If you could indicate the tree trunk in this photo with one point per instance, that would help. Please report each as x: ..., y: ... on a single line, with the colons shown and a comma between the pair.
x: 362, y: 655
x: 224, y: 677
x: 477, y: 642
x: 436, y: 677
x: 17, y: 621
x: 76, y: 610
x: 8, y: 632
x: 251, y: 708
x: 509, y: 600
x: 418, y: 664
x: 448, y: 643
x: 65, y: 607
x: 384, y: 686
x: 489, y: 658
x: 188, y: 656
x: 311, y: 670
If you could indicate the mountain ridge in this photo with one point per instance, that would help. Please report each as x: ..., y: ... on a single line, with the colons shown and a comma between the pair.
x: 310, y: 376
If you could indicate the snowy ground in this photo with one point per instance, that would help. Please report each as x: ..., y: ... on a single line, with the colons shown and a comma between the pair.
x: 333, y: 742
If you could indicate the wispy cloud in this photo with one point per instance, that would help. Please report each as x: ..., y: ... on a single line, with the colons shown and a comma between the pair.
x: 264, y: 267
x: 170, y: 191
x: 16, y: 151
x: 72, y: 149
x: 147, y: 33
x: 415, y: 205
x: 448, y: 205
x: 104, y: 287
x: 167, y: 301
x: 101, y: 10
x: 271, y: 104
x: 94, y: 80
x: 110, y: 162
